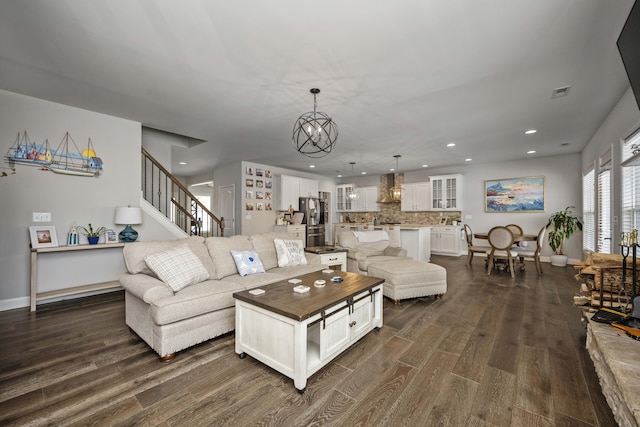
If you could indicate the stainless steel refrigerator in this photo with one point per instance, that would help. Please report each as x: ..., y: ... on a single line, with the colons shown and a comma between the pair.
x: 314, y: 219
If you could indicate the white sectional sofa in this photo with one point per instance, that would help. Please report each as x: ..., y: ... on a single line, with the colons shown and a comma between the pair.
x: 171, y: 320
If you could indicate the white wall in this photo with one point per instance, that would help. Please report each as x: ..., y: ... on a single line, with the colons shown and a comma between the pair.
x: 69, y: 199
x: 623, y: 119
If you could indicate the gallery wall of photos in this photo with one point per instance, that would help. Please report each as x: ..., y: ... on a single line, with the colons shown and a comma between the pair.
x: 258, y: 184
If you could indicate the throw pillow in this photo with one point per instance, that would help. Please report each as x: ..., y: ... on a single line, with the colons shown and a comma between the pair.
x: 178, y: 267
x: 247, y: 262
x: 290, y: 252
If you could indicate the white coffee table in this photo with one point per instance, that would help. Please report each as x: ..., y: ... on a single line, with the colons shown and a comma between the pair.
x: 297, y: 334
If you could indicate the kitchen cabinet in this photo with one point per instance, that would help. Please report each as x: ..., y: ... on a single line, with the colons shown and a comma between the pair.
x: 417, y: 242
x: 446, y: 193
x: 291, y: 188
x: 307, y: 187
x: 299, y: 230
x: 446, y: 240
x: 343, y: 202
x: 415, y: 197
x: 366, y: 199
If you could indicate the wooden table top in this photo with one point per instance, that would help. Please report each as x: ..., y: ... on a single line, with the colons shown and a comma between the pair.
x: 280, y: 298
x: 520, y: 238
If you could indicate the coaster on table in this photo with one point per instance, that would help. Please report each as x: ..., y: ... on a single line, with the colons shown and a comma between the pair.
x: 301, y: 289
x: 327, y: 271
x: 319, y: 283
x: 294, y: 281
x: 256, y: 291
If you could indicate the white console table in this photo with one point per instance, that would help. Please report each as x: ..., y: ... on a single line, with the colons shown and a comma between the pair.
x: 37, y: 296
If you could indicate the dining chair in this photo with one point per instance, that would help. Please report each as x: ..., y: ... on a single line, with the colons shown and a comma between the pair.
x: 501, y: 241
x: 529, y: 252
x: 471, y: 248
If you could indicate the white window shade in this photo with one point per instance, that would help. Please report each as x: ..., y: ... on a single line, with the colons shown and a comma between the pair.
x: 604, y: 212
x: 630, y: 186
x: 588, y: 211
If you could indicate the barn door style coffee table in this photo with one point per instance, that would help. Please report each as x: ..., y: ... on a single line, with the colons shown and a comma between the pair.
x: 298, y: 333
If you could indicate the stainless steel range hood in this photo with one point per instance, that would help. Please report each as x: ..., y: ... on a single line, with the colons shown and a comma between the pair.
x: 384, y: 196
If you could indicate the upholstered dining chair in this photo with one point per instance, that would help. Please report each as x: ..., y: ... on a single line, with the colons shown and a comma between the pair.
x: 533, y: 253
x: 471, y: 248
x: 501, y: 241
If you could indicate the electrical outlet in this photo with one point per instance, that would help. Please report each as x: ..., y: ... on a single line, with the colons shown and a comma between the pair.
x: 41, y: 217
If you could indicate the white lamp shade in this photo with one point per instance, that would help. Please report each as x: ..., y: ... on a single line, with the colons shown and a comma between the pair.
x: 126, y: 215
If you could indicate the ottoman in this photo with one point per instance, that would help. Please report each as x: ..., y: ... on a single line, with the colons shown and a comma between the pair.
x: 408, y: 278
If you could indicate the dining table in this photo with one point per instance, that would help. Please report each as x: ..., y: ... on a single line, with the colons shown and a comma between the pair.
x: 516, y: 239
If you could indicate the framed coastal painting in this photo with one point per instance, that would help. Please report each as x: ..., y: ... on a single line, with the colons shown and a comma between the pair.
x: 43, y: 236
x: 524, y: 194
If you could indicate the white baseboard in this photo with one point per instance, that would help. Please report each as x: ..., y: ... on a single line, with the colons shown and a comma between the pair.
x: 12, y: 304
x: 22, y: 302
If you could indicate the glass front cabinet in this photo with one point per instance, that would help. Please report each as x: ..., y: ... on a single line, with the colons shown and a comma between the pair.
x: 446, y: 193
x: 344, y: 203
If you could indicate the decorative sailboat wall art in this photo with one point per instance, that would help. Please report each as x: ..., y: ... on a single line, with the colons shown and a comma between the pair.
x: 69, y: 160
x: 66, y: 159
x: 26, y: 152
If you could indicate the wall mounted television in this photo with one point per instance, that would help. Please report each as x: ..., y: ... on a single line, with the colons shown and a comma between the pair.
x: 629, y: 48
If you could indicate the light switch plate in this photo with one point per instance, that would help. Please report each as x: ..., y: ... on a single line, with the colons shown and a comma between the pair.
x: 41, y: 216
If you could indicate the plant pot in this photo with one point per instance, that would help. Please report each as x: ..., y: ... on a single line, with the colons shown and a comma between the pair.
x: 559, y: 260
x: 93, y: 239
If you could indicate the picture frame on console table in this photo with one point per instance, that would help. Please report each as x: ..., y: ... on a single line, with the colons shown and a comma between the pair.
x: 43, y: 236
x: 525, y: 194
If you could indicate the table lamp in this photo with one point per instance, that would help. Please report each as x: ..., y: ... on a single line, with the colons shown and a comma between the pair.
x: 128, y: 216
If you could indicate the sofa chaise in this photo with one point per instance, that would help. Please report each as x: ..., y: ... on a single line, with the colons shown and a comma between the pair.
x: 171, y: 316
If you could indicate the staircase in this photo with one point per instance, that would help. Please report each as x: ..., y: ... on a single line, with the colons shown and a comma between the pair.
x: 169, y: 196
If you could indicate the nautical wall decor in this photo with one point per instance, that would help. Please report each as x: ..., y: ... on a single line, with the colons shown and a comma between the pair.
x: 66, y: 159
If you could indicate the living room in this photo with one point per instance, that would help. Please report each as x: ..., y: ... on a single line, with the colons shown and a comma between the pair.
x: 118, y: 139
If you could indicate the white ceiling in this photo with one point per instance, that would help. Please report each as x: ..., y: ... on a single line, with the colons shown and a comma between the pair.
x: 398, y: 77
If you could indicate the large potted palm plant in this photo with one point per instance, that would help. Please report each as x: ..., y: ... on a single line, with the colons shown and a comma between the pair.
x: 563, y: 224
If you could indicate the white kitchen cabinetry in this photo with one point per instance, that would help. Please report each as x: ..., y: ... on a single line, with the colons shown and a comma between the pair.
x: 308, y: 187
x: 446, y: 240
x: 366, y: 200
x: 299, y: 230
x: 446, y: 193
x: 417, y: 242
x: 343, y: 202
x: 415, y: 197
x: 291, y: 188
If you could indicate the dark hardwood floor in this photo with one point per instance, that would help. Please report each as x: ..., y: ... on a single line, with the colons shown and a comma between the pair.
x: 494, y: 351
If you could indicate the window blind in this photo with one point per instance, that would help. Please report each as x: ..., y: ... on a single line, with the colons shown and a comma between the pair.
x: 604, y: 212
x: 588, y: 212
x: 630, y: 186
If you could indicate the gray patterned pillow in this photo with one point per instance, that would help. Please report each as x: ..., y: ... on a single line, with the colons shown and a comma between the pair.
x: 290, y: 252
x: 178, y: 267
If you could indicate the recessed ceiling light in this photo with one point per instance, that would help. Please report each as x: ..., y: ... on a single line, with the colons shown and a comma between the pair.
x: 312, y: 166
x: 531, y: 152
x: 391, y: 170
x: 339, y: 176
x: 182, y: 163
x: 530, y: 132
x: 424, y: 166
x: 451, y: 144
x: 467, y: 160
x: 363, y: 173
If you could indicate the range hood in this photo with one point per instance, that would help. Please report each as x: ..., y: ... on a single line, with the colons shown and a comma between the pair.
x: 384, y: 194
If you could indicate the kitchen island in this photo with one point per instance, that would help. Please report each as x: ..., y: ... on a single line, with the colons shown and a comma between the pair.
x: 415, y: 238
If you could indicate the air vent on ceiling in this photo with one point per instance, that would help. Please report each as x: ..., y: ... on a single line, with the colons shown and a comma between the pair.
x: 560, y: 92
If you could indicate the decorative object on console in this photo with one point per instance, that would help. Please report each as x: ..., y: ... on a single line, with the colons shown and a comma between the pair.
x: 395, y: 192
x: 315, y: 133
x: 43, y: 236
x: 128, y: 216
x: 72, y: 237
x: 92, y: 235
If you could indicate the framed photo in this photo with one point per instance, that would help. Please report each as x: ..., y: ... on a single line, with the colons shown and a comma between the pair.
x: 268, y: 184
x: 259, y: 172
x: 249, y: 182
x: 259, y: 183
x: 249, y: 170
x: 443, y: 220
x: 260, y: 206
x: 43, y: 236
x: 110, y: 236
x: 526, y: 194
x: 249, y: 195
x: 249, y: 206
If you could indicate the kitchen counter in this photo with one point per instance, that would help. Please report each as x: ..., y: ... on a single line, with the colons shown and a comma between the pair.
x: 356, y: 225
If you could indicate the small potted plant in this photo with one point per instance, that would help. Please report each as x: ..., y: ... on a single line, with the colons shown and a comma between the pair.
x: 92, y: 235
x: 563, y: 224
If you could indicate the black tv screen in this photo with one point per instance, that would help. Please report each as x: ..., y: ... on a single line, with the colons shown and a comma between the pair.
x: 629, y: 48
